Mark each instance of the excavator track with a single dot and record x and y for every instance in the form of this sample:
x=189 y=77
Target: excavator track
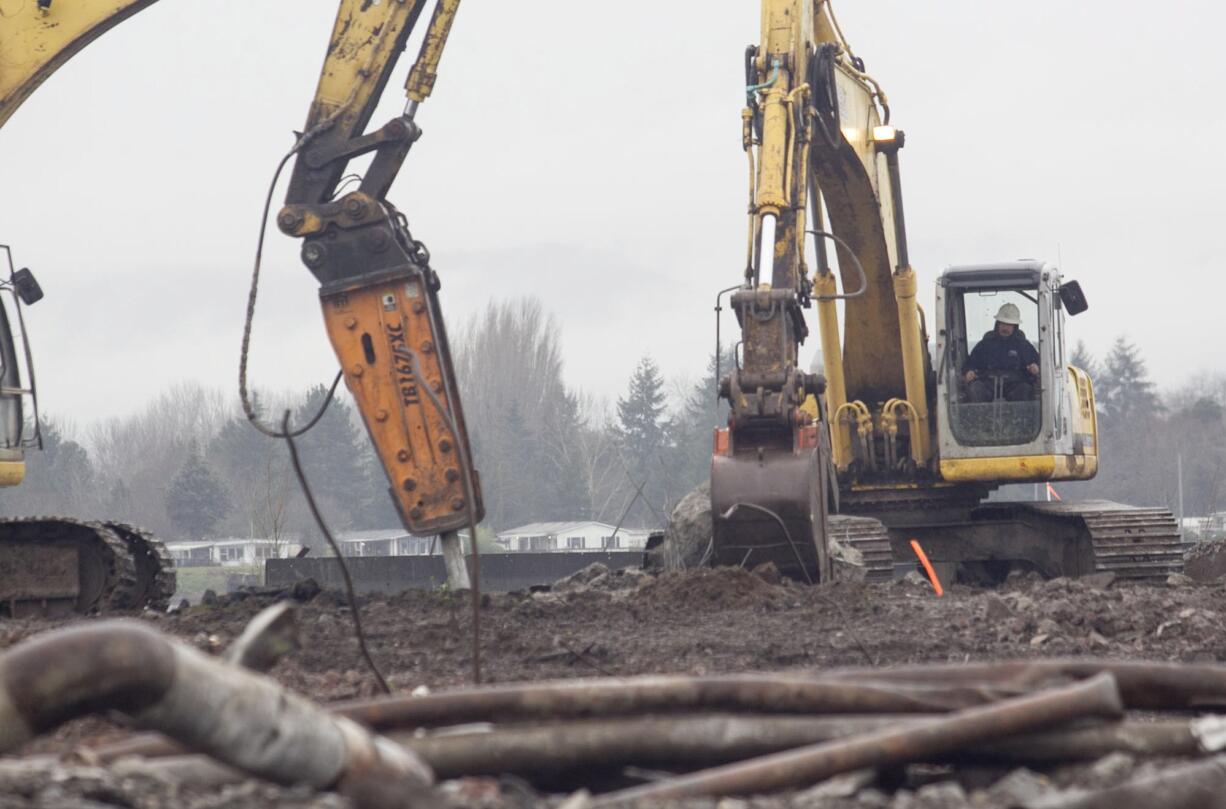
x=1133 y=542
x=57 y=566
x=1053 y=539
x=868 y=536
x=155 y=569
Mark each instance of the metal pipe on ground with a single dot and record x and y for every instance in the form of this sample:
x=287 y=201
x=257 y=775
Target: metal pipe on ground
x=549 y=751
x=1096 y=698
x=762 y=693
x=630 y=696
x=1143 y=685
x=240 y=718
x=686 y=742
x=689 y=741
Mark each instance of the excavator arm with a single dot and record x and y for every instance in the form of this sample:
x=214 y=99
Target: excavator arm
x=816 y=129
x=38 y=36
x=813 y=130
x=378 y=291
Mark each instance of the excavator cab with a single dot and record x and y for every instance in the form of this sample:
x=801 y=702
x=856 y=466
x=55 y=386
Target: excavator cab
x=1009 y=422
x=19 y=288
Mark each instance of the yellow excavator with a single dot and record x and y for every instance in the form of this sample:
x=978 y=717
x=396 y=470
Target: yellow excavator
x=378 y=294
x=894 y=443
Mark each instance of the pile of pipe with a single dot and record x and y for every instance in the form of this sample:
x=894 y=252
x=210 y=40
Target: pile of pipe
x=218 y=720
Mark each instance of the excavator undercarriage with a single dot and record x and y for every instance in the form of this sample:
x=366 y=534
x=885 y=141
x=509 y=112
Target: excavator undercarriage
x=984 y=544
x=53 y=566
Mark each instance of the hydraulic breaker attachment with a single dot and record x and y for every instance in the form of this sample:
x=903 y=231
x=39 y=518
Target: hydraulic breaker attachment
x=381 y=310
x=378 y=292
x=393 y=348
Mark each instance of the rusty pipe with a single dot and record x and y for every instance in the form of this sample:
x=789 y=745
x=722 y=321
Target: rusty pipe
x=763 y=693
x=1097 y=697
x=690 y=741
x=1143 y=685
x=628 y=696
x=544 y=751
x=240 y=718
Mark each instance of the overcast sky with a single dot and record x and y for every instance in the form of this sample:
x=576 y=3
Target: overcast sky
x=589 y=154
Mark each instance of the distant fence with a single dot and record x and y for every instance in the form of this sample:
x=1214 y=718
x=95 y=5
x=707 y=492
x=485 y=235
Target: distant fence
x=500 y=572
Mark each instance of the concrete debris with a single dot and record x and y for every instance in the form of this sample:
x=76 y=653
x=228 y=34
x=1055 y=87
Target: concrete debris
x=1113 y=766
x=943 y=794
x=1019 y=788
x=582 y=577
x=847 y=562
x=841 y=786
x=1206 y=561
x=687 y=540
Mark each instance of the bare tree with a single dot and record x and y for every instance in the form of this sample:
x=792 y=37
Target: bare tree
x=146 y=449
x=520 y=414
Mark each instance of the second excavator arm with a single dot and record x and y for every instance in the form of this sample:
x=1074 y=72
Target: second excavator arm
x=378 y=292
x=814 y=133
x=377 y=289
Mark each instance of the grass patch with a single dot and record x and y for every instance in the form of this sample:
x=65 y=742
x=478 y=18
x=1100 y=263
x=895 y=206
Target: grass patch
x=193 y=581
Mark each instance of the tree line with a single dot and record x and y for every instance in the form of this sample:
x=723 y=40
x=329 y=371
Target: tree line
x=188 y=465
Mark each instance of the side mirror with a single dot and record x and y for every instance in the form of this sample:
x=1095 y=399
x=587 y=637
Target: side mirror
x=1073 y=298
x=27 y=287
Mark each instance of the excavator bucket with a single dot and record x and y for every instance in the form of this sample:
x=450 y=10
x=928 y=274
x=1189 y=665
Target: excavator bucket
x=771 y=506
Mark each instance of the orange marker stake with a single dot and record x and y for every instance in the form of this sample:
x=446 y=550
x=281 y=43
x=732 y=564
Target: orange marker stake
x=932 y=574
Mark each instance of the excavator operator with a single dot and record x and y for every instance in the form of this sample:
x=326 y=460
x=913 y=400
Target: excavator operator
x=1003 y=364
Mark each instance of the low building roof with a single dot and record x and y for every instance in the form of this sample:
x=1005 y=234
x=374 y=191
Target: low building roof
x=551 y=528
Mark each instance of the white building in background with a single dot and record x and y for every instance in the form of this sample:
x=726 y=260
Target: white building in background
x=390 y=542
x=254 y=551
x=540 y=536
x=231 y=551
x=572 y=536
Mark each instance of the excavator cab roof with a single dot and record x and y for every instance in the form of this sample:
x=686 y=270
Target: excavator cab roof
x=1024 y=274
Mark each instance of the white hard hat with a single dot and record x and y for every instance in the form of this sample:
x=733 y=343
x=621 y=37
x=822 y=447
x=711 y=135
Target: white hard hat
x=1009 y=314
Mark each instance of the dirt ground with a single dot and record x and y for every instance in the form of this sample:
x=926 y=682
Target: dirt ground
x=696 y=622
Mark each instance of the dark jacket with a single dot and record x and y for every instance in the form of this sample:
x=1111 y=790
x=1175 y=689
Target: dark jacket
x=996 y=353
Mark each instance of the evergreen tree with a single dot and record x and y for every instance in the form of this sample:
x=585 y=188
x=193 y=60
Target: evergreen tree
x=701 y=413
x=196 y=499
x=642 y=425
x=1125 y=393
x=1083 y=359
x=642 y=433
x=332 y=459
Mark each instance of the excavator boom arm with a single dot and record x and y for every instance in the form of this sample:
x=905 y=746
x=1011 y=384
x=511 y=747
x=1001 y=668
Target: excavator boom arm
x=378 y=292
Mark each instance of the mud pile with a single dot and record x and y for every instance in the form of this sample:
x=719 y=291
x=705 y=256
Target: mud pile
x=1206 y=561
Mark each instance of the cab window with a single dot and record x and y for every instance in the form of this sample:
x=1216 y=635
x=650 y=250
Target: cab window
x=1001 y=406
